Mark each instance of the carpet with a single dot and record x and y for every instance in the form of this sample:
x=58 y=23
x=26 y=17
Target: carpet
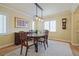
x=55 y=48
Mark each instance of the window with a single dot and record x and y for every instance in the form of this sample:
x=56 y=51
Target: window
x=50 y=25
x=46 y=25
x=2 y=24
x=33 y=23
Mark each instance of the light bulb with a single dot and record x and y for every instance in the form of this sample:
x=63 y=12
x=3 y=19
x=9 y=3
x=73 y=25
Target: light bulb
x=39 y=19
x=36 y=18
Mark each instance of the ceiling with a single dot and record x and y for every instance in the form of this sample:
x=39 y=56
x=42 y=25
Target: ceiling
x=49 y=8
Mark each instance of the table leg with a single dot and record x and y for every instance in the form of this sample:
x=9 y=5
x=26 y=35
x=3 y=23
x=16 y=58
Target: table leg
x=36 y=46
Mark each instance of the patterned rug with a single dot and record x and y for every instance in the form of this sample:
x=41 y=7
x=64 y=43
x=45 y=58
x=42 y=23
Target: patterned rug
x=55 y=48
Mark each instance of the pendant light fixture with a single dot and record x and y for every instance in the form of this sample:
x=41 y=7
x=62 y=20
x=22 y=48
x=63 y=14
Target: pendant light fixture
x=39 y=18
x=36 y=17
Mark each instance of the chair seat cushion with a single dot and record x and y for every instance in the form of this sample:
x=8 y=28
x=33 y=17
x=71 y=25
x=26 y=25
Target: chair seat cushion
x=30 y=42
x=41 y=39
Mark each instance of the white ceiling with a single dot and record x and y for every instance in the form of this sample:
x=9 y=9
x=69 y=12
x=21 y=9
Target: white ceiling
x=58 y=7
x=49 y=8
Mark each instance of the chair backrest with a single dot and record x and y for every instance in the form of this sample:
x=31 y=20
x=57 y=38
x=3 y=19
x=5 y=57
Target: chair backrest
x=23 y=37
x=46 y=34
x=29 y=32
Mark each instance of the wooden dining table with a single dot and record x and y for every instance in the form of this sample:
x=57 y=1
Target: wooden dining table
x=36 y=38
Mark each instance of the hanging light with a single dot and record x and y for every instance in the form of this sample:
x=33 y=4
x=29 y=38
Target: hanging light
x=36 y=17
x=41 y=15
x=40 y=18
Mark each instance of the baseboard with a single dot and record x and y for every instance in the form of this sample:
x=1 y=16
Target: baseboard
x=6 y=45
x=61 y=40
x=75 y=44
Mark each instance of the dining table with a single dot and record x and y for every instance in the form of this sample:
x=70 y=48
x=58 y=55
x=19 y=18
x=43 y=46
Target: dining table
x=36 y=37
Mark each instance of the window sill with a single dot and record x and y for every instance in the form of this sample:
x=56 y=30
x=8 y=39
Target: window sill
x=1 y=34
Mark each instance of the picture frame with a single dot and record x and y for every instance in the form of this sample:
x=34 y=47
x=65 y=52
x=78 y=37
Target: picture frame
x=64 y=20
x=20 y=23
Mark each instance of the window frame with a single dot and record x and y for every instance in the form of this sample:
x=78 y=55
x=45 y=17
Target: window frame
x=50 y=26
x=5 y=25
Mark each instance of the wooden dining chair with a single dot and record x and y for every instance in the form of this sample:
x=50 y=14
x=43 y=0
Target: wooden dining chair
x=25 y=42
x=46 y=36
x=44 y=39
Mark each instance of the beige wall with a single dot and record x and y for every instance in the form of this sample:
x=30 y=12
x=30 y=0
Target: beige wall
x=70 y=34
x=75 y=27
x=60 y=34
x=9 y=37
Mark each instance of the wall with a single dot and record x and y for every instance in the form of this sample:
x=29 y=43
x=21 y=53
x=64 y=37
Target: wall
x=9 y=37
x=60 y=34
x=70 y=34
x=75 y=24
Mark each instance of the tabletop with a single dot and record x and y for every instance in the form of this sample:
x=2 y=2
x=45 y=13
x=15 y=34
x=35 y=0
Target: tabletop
x=36 y=35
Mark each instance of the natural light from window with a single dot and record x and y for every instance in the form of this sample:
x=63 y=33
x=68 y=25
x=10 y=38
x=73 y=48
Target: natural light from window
x=33 y=24
x=50 y=25
x=2 y=24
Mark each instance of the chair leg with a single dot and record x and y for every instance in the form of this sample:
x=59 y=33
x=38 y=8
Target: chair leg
x=44 y=45
x=26 y=51
x=47 y=43
x=21 y=49
x=41 y=43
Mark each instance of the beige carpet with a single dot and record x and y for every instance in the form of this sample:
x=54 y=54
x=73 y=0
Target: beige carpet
x=55 y=49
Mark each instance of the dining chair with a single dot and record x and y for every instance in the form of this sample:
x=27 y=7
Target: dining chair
x=25 y=42
x=44 y=39
x=46 y=36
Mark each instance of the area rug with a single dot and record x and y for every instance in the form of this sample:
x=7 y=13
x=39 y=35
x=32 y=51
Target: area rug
x=55 y=48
